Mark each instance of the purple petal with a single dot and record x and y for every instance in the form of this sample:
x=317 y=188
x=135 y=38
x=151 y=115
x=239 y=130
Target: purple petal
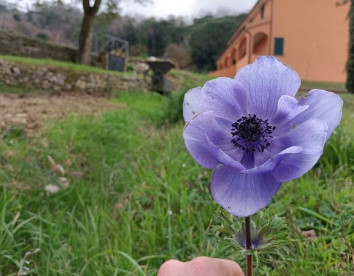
x=324 y=106
x=248 y=159
x=288 y=108
x=225 y=99
x=205 y=140
x=311 y=136
x=273 y=162
x=265 y=81
x=229 y=148
x=192 y=104
x=242 y=194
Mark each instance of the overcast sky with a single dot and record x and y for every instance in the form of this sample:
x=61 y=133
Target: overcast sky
x=190 y=8
x=164 y=8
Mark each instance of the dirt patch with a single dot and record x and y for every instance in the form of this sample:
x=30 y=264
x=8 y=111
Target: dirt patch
x=32 y=111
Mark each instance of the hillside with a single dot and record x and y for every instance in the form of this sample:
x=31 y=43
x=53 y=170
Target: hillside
x=195 y=46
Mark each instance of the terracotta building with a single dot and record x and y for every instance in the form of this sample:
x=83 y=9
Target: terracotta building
x=309 y=35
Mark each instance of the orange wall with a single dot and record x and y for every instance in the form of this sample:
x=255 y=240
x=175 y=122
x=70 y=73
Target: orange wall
x=254 y=24
x=315 y=36
x=225 y=72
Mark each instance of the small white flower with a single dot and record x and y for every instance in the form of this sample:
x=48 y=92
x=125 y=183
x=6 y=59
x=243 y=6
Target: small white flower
x=169 y=212
x=50 y=188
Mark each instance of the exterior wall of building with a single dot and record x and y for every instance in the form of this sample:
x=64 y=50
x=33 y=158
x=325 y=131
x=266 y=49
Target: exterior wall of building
x=314 y=32
x=315 y=36
x=250 y=40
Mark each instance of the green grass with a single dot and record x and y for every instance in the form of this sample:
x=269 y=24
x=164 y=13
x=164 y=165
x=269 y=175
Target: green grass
x=5 y=89
x=189 y=80
x=140 y=199
x=348 y=112
x=60 y=64
x=323 y=85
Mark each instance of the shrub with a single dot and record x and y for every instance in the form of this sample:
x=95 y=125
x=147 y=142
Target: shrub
x=350 y=63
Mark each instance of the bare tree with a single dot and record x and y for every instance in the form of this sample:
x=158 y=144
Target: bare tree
x=86 y=32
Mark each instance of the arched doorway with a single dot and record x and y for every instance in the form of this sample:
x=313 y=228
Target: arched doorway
x=226 y=62
x=242 y=48
x=260 y=44
x=233 y=57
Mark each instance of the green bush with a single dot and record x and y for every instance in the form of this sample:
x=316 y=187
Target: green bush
x=17 y=17
x=43 y=36
x=350 y=63
x=173 y=108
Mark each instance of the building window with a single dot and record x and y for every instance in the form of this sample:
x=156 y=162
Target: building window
x=278 y=46
x=262 y=11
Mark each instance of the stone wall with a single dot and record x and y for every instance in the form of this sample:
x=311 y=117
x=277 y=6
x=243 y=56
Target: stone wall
x=56 y=79
x=16 y=45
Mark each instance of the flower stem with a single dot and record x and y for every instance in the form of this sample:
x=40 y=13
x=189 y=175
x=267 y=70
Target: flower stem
x=248 y=247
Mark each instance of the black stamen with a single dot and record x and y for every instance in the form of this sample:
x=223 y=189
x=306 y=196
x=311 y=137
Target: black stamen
x=252 y=133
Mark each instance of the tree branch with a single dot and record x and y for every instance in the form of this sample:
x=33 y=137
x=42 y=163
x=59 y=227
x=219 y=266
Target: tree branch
x=143 y=2
x=86 y=5
x=96 y=6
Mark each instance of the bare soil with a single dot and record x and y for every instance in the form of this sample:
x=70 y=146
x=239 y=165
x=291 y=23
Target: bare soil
x=32 y=111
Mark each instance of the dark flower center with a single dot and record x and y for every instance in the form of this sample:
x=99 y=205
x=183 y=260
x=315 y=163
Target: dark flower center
x=251 y=133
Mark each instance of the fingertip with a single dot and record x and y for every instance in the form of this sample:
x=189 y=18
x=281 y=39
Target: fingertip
x=169 y=267
x=199 y=265
x=234 y=268
x=213 y=266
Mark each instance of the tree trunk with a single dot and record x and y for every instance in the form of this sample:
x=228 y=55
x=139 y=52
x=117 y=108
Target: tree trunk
x=85 y=40
x=86 y=32
x=350 y=63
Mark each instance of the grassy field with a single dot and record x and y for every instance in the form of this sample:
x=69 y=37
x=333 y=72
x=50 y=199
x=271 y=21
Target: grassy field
x=136 y=198
x=60 y=64
x=323 y=85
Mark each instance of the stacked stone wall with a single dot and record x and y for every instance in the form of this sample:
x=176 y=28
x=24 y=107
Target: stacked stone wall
x=56 y=79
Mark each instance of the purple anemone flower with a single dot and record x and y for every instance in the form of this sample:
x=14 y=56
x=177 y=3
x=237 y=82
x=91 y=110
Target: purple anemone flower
x=255 y=134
